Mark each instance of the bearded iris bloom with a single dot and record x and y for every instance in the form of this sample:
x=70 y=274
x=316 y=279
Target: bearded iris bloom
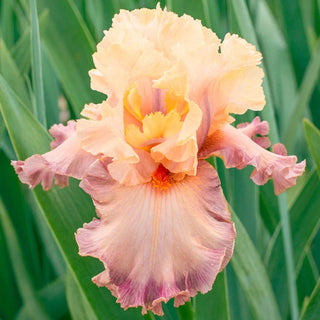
x=164 y=229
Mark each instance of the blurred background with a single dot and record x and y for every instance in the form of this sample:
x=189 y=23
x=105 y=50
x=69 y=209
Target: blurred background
x=45 y=55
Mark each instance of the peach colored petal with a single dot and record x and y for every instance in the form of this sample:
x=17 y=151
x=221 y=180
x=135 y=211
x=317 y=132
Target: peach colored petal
x=131 y=174
x=239 y=90
x=165 y=29
x=237 y=87
x=238 y=150
x=66 y=159
x=174 y=80
x=237 y=53
x=106 y=136
x=182 y=147
x=92 y=111
x=122 y=59
x=156 y=245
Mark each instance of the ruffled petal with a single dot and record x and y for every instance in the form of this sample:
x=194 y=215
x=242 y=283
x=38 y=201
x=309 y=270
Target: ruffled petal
x=106 y=136
x=179 y=152
x=239 y=90
x=123 y=57
x=155 y=244
x=35 y=170
x=256 y=127
x=237 y=53
x=237 y=150
x=66 y=159
x=131 y=174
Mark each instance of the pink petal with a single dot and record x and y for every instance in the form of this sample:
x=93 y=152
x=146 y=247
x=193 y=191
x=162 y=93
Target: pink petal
x=35 y=170
x=237 y=150
x=131 y=174
x=106 y=135
x=256 y=127
x=156 y=244
x=67 y=159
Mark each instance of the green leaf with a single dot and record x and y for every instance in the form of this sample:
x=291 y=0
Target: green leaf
x=65 y=210
x=305 y=218
x=50 y=246
x=242 y=15
x=307 y=86
x=307 y=278
x=246 y=29
x=312 y=309
x=252 y=275
x=17 y=207
x=36 y=65
x=313 y=139
x=186 y=311
x=214 y=304
x=69 y=46
x=53 y=297
x=10 y=71
x=78 y=305
x=277 y=61
x=240 y=308
x=305 y=221
x=9 y=295
x=296 y=35
x=6 y=19
x=123 y=4
x=35 y=308
x=194 y=8
x=21 y=51
x=99 y=14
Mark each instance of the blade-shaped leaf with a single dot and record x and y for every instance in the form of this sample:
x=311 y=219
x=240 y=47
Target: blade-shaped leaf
x=11 y=73
x=252 y=275
x=312 y=309
x=214 y=304
x=65 y=210
x=35 y=308
x=304 y=95
x=78 y=305
x=36 y=64
x=313 y=138
x=305 y=221
x=53 y=297
x=246 y=29
x=277 y=61
x=9 y=295
x=241 y=12
x=69 y=46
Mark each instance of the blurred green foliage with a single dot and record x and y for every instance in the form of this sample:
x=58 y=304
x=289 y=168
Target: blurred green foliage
x=45 y=56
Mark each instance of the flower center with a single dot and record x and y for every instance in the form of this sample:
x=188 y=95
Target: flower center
x=161 y=178
x=144 y=130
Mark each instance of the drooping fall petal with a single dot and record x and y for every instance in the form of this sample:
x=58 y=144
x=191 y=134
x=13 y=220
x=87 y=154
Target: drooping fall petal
x=66 y=159
x=238 y=150
x=173 y=241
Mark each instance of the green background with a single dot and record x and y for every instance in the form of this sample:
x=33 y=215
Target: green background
x=45 y=55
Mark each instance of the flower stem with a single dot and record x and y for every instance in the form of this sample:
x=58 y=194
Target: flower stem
x=186 y=312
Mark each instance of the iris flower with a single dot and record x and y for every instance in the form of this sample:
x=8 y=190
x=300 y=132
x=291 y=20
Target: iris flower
x=164 y=228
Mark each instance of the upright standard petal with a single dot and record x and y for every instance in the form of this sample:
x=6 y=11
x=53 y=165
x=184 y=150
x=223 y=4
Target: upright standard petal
x=238 y=150
x=156 y=243
x=66 y=159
